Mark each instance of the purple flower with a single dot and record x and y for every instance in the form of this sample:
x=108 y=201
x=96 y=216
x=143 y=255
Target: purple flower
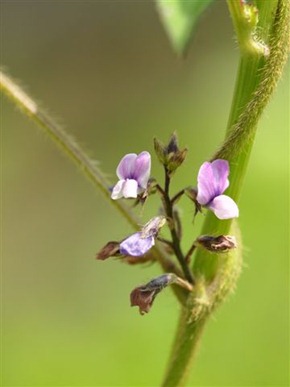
x=212 y=181
x=136 y=244
x=133 y=172
x=139 y=243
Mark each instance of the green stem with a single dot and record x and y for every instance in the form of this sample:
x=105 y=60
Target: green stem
x=89 y=167
x=201 y=303
x=261 y=78
x=187 y=337
x=256 y=81
x=168 y=207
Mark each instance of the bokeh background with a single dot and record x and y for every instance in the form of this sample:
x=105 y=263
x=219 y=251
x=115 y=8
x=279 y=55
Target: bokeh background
x=106 y=71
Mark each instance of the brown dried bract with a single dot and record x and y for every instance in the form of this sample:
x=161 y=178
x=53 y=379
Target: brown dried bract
x=111 y=249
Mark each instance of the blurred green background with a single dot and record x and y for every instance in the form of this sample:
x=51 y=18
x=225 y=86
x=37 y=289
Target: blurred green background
x=107 y=72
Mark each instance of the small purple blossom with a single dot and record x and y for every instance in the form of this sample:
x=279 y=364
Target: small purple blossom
x=136 y=244
x=212 y=181
x=139 y=243
x=133 y=172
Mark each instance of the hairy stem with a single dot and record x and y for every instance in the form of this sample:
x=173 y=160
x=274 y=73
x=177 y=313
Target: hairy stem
x=200 y=305
x=187 y=337
x=257 y=78
x=261 y=77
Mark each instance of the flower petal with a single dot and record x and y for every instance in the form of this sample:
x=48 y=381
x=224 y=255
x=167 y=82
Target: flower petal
x=212 y=180
x=220 y=170
x=117 y=192
x=125 y=169
x=205 y=186
x=135 y=245
x=130 y=188
x=224 y=207
x=142 y=168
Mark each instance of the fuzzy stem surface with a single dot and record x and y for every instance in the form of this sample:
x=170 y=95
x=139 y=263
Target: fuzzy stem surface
x=256 y=80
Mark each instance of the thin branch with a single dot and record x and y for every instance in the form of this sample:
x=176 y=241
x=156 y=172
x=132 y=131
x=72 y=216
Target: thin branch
x=168 y=208
x=160 y=190
x=190 y=252
x=163 y=240
x=177 y=196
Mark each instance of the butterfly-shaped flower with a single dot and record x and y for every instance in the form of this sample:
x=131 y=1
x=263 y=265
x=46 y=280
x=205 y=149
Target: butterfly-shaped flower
x=136 y=244
x=133 y=172
x=212 y=181
x=139 y=243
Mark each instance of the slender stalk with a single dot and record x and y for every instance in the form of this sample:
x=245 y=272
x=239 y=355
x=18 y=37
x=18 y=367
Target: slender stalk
x=178 y=224
x=165 y=241
x=201 y=303
x=168 y=207
x=184 y=284
x=177 y=196
x=188 y=336
x=190 y=252
x=256 y=81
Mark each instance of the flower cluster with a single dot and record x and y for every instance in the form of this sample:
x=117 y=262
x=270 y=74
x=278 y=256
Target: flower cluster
x=135 y=182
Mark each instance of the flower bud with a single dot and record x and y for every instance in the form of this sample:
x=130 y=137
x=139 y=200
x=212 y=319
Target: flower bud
x=143 y=296
x=153 y=226
x=170 y=156
x=176 y=159
x=172 y=146
x=160 y=151
x=219 y=244
x=111 y=249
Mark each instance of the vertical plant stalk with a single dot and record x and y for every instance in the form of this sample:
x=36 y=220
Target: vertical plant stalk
x=201 y=303
x=168 y=207
x=188 y=336
x=256 y=80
